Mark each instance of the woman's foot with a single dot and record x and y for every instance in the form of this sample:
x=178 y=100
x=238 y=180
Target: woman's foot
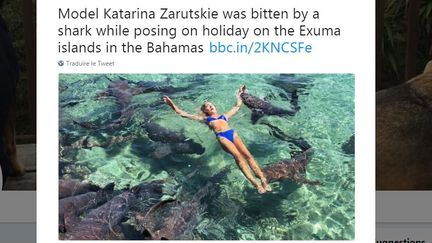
x=265 y=185
x=261 y=189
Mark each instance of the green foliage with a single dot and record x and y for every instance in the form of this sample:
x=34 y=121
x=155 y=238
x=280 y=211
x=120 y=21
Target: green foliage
x=394 y=38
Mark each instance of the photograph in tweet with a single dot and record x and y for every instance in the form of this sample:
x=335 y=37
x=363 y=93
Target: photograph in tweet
x=206 y=156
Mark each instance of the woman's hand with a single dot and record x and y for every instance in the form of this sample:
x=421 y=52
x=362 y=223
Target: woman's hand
x=238 y=95
x=239 y=102
x=167 y=100
x=179 y=111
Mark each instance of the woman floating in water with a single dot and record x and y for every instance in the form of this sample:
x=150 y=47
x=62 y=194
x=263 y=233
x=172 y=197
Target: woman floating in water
x=228 y=138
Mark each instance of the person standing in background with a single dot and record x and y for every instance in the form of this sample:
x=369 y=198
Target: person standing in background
x=9 y=72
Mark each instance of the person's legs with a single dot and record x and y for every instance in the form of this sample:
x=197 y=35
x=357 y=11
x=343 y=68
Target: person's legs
x=241 y=162
x=17 y=168
x=251 y=161
x=4 y=160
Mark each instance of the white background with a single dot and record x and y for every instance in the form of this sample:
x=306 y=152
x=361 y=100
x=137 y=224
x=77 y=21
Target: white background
x=353 y=52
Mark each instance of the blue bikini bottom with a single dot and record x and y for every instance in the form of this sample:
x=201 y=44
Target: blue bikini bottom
x=228 y=134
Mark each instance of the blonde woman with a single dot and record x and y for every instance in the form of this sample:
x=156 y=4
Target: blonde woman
x=228 y=138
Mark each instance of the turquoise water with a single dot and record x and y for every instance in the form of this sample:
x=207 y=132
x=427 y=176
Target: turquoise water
x=291 y=211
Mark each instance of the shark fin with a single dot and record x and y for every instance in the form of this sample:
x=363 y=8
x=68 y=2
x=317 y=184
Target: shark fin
x=256 y=115
x=301 y=143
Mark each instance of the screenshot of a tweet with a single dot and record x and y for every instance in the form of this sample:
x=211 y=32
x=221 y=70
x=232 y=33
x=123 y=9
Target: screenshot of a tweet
x=403 y=121
x=192 y=120
x=17 y=122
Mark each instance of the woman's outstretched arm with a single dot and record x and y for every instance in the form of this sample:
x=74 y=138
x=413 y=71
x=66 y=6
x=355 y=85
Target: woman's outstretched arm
x=179 y=111
x=239 y=102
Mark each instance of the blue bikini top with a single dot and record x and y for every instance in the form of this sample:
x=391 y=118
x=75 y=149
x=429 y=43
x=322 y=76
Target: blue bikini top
x=221 y=117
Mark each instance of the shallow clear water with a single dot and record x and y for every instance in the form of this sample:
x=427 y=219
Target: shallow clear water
x=291 y=211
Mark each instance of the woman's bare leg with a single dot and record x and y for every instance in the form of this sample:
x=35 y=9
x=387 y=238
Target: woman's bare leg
x=241 y=162
x=251 y=161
